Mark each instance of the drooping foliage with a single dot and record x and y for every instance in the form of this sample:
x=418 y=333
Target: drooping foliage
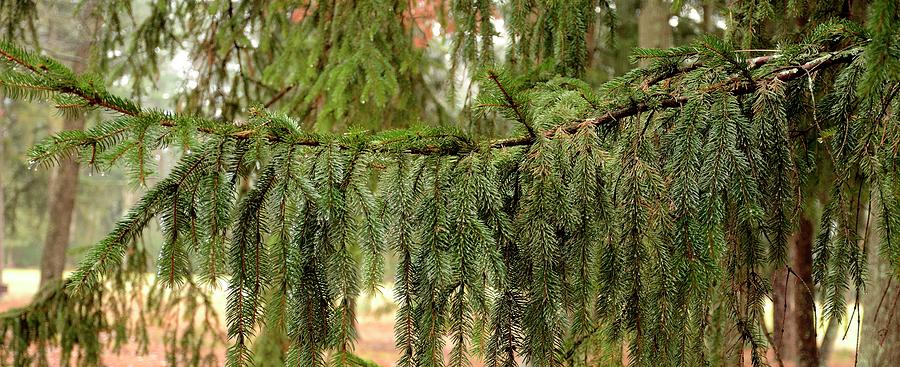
x=648 y=210
x=335 y=64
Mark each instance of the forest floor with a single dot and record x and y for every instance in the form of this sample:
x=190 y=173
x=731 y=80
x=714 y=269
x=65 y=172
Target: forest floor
x=375 y=340
x=375 y=329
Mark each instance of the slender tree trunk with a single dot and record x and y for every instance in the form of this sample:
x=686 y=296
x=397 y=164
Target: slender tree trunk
x=63 y=191
x=709 y=26
x=627 y=11
x=804 y=295
x=782 y=307
x=831 y=334
x=64 y=184
x=63 y=188
x=3 y=126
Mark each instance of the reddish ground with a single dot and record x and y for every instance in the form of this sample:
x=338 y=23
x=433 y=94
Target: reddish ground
x=375 y=338
x=376 y=342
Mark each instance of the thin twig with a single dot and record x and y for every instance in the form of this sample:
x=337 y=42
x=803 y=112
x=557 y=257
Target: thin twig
x=881 y=300
x=278 y=96
x=512 y=104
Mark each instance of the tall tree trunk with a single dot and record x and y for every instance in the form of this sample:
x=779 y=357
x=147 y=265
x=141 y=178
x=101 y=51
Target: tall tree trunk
x=3 y=126
x=63 y=191
x=626 y=27
x=880 y=339
x=804 y=295
x=827 y=346
x=880 y=334
x=654 y=30
x=64 y=183
x=709 y=26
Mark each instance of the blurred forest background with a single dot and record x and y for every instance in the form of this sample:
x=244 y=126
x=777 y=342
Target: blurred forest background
x=48 y=217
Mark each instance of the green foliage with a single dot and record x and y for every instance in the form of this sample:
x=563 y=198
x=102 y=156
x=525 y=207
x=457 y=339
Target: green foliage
x=646 y=212
x=17 y=18
x=552 y=32
x=335 y=65
x=282 y=53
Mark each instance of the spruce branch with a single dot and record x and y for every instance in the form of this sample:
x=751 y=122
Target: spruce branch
x=430 y=143
x=512 y=104
x=752 y=64
x=92 y=97
x=501 y=244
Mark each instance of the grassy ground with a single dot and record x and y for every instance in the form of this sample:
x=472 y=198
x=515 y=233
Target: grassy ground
x=376 y=325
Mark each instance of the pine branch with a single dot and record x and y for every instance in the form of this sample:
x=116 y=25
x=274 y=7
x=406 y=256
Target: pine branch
x=447 y=144
x=752 y=64
x=512 y=104
x=518 y=229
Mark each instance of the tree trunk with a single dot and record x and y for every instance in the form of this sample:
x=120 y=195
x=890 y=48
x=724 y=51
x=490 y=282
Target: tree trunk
x=63 y=191
x=804 y=295
x=827 y=346
x=709 y=26
x=3 y=127
x=654 y=30
x=880 y=339
x=64 y=183
x=626 y=28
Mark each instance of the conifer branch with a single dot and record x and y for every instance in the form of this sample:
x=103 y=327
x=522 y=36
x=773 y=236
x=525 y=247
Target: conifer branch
x=93 y=99
x=496 y=248
x=9 y=56
x=735 y=86
x=511 y=103
x=754 y=63
x=449 y=144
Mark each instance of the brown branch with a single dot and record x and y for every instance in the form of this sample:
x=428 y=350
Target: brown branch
x=19 y=62
x=512 y=104
x=737 y=85
x=94 y=100
x=752 y=64
x=278 y=96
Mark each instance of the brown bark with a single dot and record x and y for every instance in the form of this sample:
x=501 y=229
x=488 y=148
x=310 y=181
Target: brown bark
x=63 y=191
x=3 y=127
x=804 y=295
x=654 y=30
x=64 y=182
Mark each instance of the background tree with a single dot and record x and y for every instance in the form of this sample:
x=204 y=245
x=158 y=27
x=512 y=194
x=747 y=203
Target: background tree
x=64 y=182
